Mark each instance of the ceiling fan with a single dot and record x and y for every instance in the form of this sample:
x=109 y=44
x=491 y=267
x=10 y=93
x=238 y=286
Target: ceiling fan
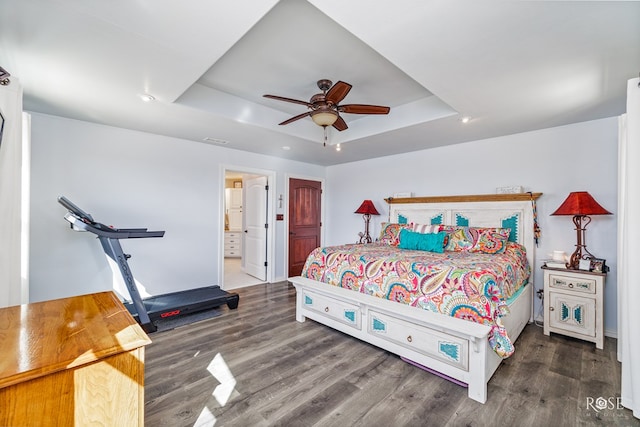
x=324 y=107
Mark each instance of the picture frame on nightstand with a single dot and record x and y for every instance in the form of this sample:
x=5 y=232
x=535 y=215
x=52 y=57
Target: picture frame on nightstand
x=598 y=265
x=585 y=264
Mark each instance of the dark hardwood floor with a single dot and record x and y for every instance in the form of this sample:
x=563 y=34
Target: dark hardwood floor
x=257 y=366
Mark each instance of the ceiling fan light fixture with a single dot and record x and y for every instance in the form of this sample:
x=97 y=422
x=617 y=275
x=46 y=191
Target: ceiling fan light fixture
x=147 y=97
x=324 y=118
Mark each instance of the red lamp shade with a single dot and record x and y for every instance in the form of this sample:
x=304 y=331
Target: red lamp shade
x=367 y=208
x=580 y=203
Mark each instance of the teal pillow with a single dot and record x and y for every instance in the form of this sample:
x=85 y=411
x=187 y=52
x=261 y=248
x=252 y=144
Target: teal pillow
x=431 y=242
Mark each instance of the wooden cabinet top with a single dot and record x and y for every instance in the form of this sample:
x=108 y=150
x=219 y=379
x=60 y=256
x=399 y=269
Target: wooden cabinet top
x=41 y=338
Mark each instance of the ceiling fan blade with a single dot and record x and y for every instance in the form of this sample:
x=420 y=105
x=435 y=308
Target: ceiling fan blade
x=281 y=98
x=294 y=118
x=340 y=124
x=363 y=109
x=338 y=92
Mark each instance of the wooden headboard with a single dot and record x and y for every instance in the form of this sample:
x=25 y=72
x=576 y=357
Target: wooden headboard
x=513 y=211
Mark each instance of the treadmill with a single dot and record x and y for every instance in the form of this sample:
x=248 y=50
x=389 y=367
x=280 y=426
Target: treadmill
x=154 y=308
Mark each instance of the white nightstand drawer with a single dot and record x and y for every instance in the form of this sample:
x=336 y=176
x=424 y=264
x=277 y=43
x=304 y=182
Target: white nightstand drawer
x=578 y=284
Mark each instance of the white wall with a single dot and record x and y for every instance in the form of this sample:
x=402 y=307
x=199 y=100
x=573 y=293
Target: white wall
x=553 y=161
x=131 y=179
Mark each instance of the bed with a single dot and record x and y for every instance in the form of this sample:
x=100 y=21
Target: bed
x=394 y=297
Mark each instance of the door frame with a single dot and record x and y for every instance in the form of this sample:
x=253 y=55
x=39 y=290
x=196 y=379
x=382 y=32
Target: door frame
x=271 y=216
x=287 y=178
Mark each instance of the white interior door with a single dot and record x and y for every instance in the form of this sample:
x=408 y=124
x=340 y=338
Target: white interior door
x=255 y=231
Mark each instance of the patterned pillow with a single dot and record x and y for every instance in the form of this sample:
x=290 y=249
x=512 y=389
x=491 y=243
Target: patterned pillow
x=485 y=240
x=390 y=233
x=489 y=240
x=459 y=239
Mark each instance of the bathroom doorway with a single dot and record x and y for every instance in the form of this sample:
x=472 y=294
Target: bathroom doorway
x=246 y=253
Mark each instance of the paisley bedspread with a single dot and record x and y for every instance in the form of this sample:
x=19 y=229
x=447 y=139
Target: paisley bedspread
x=470 y=286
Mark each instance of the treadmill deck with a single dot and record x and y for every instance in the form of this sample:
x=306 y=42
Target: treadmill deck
x=185 y=302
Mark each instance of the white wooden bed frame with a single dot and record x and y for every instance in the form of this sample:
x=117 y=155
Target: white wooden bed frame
x=456 y=348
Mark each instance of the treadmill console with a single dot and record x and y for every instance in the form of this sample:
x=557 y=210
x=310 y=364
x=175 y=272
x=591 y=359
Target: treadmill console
x=74 y=209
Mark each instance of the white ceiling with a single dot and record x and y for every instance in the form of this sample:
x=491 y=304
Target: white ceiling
x=512 y=66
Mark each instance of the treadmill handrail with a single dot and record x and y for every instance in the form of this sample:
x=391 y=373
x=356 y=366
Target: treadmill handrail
x=71 y=207
x=99 y=229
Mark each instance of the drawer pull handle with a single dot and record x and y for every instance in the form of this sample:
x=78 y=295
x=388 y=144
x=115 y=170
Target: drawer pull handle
x=551 y=308
x=409 y=338
x=326 y=309
x=571 y=285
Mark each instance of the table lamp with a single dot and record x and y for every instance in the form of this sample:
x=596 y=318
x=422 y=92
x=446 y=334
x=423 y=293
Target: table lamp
x=366 y=209
x=580 y=204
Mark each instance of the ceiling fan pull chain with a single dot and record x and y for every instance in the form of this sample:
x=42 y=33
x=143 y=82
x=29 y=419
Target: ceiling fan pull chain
x=325 y=136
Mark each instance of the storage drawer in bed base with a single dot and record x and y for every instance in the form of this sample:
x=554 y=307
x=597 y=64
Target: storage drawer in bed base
x=345 y=313
x=446 y=348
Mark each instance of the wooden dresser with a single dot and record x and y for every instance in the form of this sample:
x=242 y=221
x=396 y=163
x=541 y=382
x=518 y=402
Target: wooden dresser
x=71 y=362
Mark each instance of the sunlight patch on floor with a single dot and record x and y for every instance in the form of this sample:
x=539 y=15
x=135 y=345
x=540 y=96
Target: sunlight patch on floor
x=205 y=419
x=220 y=371
x=222 y=393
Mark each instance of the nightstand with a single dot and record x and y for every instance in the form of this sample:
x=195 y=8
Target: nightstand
x=573 y=304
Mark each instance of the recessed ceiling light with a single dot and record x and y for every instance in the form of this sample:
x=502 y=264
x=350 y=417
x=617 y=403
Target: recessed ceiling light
x=147 y=98
x=215 y=140
x=465 y=119
x=338 y=147
x=286 y=148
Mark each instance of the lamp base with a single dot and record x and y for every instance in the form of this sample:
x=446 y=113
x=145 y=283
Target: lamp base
x=574 y=261
x=578 y=255
x=365 y=238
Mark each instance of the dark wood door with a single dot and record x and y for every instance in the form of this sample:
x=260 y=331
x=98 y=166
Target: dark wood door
x=304 y=221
